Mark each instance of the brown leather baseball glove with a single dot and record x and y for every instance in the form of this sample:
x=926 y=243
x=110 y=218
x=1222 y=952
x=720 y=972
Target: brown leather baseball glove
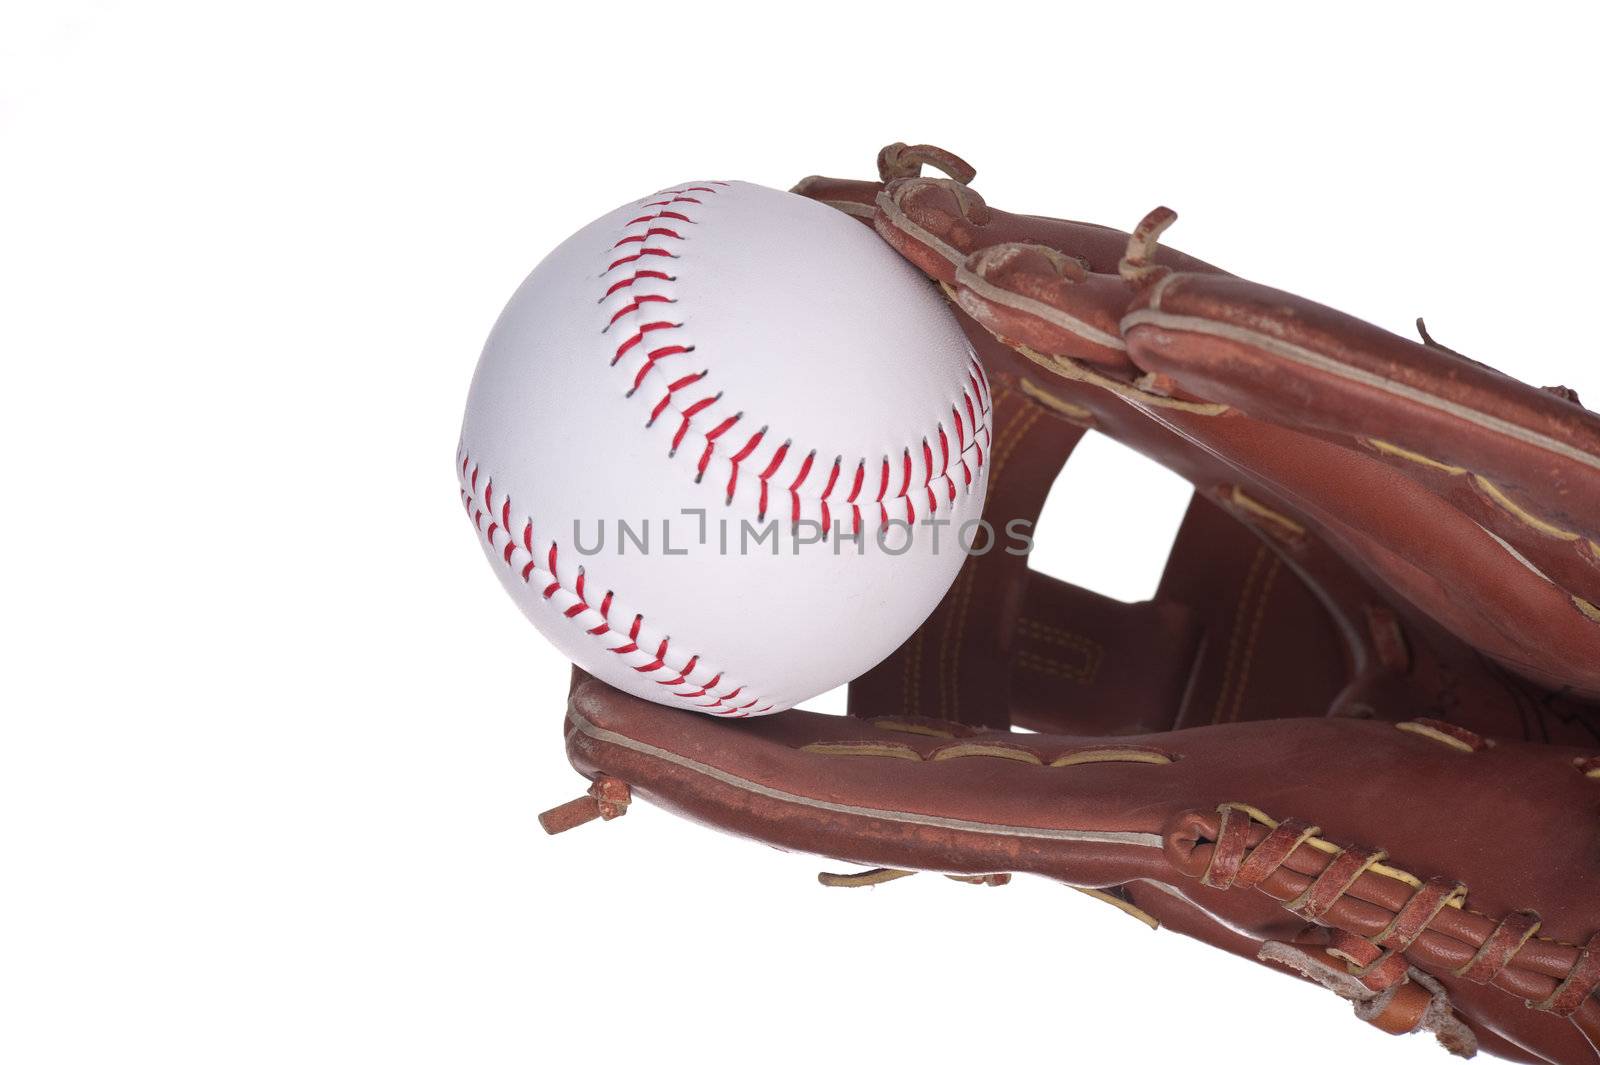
x=1355 y=733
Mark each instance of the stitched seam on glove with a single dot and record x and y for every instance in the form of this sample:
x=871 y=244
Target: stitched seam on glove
x=955 y=824
x=1306 y=357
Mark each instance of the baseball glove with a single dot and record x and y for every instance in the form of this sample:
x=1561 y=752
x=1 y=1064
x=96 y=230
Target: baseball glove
x=1355 y=735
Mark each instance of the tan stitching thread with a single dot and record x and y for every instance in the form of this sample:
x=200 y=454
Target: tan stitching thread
x=1071 y=411
x=1023 y=428
x=874 y=877
x=979 y=749
x=1258 y=509
x=1494 y=492
x=1041 y=630
x=1158 y=291
x=1521 y=513
x=1245 y=594
x=1412 y=456
x=902 y=221
x=1091 y=650
x=1147 y=840
x=865 y=747
x=1153 y=841
x=1428 y=732
x=1255 y=635
x=1075 y=371
x=913 y=667
x=1111 y=754
x=866 y=878
x=986 y=750
x=1318 y=843
x=948 y=667
x=1052 y=667
x=1269 y=344
x=998 y=461
x=987 y=291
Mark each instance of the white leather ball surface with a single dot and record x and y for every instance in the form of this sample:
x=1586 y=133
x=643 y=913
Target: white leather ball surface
x=767 y=365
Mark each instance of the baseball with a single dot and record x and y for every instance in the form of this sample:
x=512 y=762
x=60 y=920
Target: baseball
x=726 y=449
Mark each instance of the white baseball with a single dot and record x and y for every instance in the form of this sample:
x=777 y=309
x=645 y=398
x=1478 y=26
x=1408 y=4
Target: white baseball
x=716 y=358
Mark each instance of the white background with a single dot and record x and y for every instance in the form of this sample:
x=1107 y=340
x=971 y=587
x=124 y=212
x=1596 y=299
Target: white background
x=274 y=740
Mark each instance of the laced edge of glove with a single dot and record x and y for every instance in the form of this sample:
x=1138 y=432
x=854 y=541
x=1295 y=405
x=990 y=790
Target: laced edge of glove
x=1245 y=845
x=1371 y=912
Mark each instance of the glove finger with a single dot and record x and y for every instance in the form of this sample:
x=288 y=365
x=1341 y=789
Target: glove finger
x=1513 y=578
x=1298 y=487
x=853 y=197
x=1300 y=490
x=937 y=223
x=1066 y=274
x=1037 y=297
x=1522 y=462
x=1225 y=817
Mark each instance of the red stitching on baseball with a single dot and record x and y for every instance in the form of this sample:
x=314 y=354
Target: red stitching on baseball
x=676 y=216
x=833 y=478
x=633 y=308
x=711 y=443
x=743 y=453
x=653 y=231
x=766 y=474
x=975 y=397
x=500 y=523
x=640 y=254
x=555 y=581
x=688 y=415
x=927 y=480
x=633 y=637
x=605 y=614
x=794 y=488
x=638 y=275
x=681 y=678
x=654 y=357
x=658 y=662
x=638 y=338
x=682 y=382
x=581 y=605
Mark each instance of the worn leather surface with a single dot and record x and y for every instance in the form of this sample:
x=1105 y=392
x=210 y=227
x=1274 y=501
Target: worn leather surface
x=1377 y=622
